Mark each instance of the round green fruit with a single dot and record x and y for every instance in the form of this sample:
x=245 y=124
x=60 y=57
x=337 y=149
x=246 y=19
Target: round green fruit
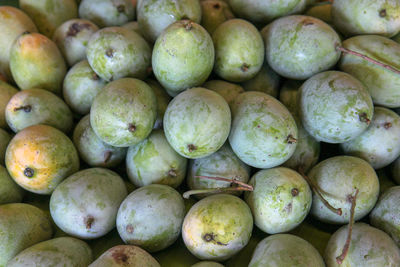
x=227 y=90
x=6 y=92
x=10 y=192
x=214 y=13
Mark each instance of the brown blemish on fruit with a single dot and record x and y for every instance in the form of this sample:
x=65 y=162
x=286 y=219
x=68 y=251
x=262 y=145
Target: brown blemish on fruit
x=382 y=13
x=188 y=25
x=26 y=108
x=191 y=148
x=290 y=139
x=172 y=173
x=129 y=228
x=119 y=256
x=294 y=192
x=131 y=127
x=88 y=221
x=387 y=125
x=245 y=67
x=75 y=28
x=110 y=52
x=28 y=172
x=364 y=118
x=209 y=237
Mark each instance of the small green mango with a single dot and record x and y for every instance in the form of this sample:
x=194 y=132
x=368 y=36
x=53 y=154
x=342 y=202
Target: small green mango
x=214 y=13
x=227 y=90
x=163 y=100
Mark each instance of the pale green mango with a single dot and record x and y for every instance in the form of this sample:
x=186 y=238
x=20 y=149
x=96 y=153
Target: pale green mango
x=6 y=92
x=214 y=13
x=266 y=81
x=133 y=26
x=163 y=100
x=227 y=90
x=321 y=11
x=10 y=192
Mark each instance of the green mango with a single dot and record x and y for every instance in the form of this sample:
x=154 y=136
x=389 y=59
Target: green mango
x=36 y=62
x=5 y=138
x=38 y=106
x=10 y=192
x=285 y=250
x=369 y=246
x=298 y=47
x=67 y=251
x=72 y=38
x=197 y=122
x=107 y=13
x=381 y=83
x=151 y=217
x=163 y=100
x=124 y=112
x=49 y=14
x=21 y=226
x=85 y=204
x=214 y=13
x=155 y=16
x=133 y=26
x=6 y=92
x=183 y=56
x=321 y=11
x=154 y=161
x=239 y=50
x=13 y=22
x=229 y=91
x=116 y=52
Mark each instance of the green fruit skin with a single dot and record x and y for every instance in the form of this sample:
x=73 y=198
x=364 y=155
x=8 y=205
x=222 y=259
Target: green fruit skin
x=121 y=105
x=334 y=107
x=104 y=243
x=183 y=56
x=229 y=91
x=260 y=130
x=163 y=100
x=72 y=38
x=321 y=11
x=63 y=250
x=116 y=52
x=80 y=87
x=380 y=82
x=10 y=192
x=155 y=16
x=6 y=92
x=266 y=80
x=154 y=161
x=21 y=226
x=239 y=50
x=5 y=138
x=298 y=47
x=261 y=11
x=275 y=205
x=92 y=150
x=395 y=170
x=133 y=26
x=385 y=181
x=92 y=195
x=176 y=255
x=337 y=178
x=36 y=62
x=151 y=217
x=223 y=163
x=105 y=13
x=285 y=250
x=288 y=95
x=380 y=143
x=214 y=13
x=197 y=122
x=207 y=264
x=360 y=17
x=44 y=108
x=396 y=38
x=386 y=213
x=133 y=257
x=49 y=14
x=368 y=247
x=13 y=22
x=217 y=227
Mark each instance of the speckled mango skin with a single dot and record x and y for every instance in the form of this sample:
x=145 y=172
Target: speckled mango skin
x=151 y=217
x=45 y=108
x=223 y=163
x=163 y=100
x=207 y=264
x=155 y=16
x=214 y=13
x=261 y=11
x=260 y=129
x=183 y=56
x=10 y=192
x=92 y=150
x=36 y=62
x=6 y=92
x=116 y=52
x=80 y=87
x=360 y=17
x=379 y=144
x=197 y=117
x=229 y=91
x=285 y=250
x=154 y=161
x=266 y=80
x=5 y=138
x=274 y=207
x=386 y=213
x=93 y=194
x=21 y=226
x=239 y=50
x=49 y=14
x=298 y=47
x=217 y=227
x=105 y=13
x=120 y=105
x=334 y=107
x=58 y=252
x=72 y=38
x=381 y=83
x=135 y=257
x=369 y=247
x=13 y=22
x=337 y=179
x=48 y=152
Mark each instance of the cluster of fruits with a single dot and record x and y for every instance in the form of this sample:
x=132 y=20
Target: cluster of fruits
x=161 y=141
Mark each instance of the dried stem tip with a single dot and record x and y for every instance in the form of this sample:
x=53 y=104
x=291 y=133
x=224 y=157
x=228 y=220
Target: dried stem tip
x=290 y=139
x=364 y=118
x=231 y=180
